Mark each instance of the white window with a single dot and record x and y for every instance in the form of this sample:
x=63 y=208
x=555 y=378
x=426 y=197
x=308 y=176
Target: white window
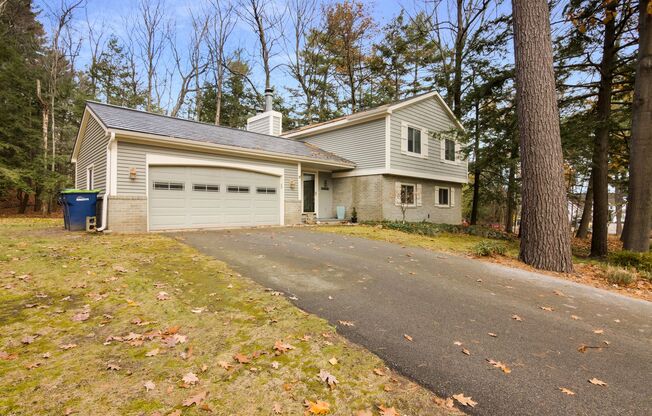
x=90 y=183
x=205 y=188
x=414 y=141
x=449 y=150
x=234 y=189
x=408 y=194
x=264 y=190
x=444 y=196
x=169 y=186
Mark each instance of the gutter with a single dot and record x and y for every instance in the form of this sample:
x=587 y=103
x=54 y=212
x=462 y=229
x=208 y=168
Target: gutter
x=107 y=191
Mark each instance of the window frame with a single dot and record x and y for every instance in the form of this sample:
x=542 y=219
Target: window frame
x=407 y=149
x=90 y=176
x=454 y=144
x=202 y=187
x=414 y=194
x=238 y=189
x=178 y=186
x=448 y=196
x=266 y=190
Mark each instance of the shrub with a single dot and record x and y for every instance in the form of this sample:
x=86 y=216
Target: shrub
x=640 y=261
x=431 y=229
x=489 y=248
x=619 y=276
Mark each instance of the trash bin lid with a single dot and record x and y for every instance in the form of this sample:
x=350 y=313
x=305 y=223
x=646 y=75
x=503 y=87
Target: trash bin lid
x=81 y=191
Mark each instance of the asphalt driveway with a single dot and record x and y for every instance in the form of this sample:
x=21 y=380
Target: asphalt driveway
x=449 y=303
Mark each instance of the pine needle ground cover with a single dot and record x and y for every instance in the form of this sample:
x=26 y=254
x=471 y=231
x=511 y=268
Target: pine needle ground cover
x=144 y=325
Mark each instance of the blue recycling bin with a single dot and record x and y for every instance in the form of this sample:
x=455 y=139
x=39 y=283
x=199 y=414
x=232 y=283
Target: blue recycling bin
x=77 y=205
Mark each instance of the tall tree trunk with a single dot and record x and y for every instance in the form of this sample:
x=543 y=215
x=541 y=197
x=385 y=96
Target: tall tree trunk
x=583 y=229
x=24 y=201
x=545 y=236
x=476 y=166
x=600 y=172
x=639 y=203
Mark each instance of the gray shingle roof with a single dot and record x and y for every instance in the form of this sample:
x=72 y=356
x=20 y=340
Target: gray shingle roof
x=122 y=118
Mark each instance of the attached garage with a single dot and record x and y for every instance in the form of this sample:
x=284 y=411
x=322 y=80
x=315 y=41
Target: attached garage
x=182 y=197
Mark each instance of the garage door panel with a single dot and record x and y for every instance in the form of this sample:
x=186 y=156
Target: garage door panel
x=201 y=205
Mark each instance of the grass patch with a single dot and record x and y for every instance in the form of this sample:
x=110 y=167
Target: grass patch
x=50 y=280
x=619 y=276
x=489 y=248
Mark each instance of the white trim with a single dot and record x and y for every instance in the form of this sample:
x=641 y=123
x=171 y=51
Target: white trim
x=113 y=169
x=383 y=110
x=388 y=140
x=316 y=196
x=399 y=172
x=414 y=194
x=456 y=161
x=82 y=130
x=166 y=160
x=300 y=185
x=437 y=204
x=263 y=115
x=91 y=168
x=175 y=142
x=421 y=154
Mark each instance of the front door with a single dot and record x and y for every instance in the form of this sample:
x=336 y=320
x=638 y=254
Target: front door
x=308 y=192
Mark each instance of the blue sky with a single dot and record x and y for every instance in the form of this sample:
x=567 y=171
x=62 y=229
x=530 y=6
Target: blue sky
x=115 y=17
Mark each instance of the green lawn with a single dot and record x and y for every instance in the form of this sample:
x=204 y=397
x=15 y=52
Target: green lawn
x=140 y=324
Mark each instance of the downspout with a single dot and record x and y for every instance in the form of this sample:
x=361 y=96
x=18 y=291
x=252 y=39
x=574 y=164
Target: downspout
x=105 y=203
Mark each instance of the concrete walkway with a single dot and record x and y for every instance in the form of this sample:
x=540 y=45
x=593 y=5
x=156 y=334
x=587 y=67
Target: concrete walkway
x=389 y=291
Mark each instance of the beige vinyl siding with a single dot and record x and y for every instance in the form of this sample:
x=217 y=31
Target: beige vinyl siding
x=259 y=126
x=133 y=155
x=276 y=125
x=363 y=144
x=428 y=115
x=92 y=150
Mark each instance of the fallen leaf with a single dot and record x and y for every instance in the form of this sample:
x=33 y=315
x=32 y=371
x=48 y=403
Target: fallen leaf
x=162 y=296
x=567 y=391
x=387 y=411
x=328 y=378
x=241 y=358
x=457 y=343
x=465 y=351
x=149 y=385
x=546 y=308
x=575 y=317
x=333 y=361
x=224 y=365
x=282 y=347
x=447 y=402
x=318 y=408
x=346 y=323
x=275 y=365
x=379 y=372
x=190 y=378
x=34 y=365
x=6 y=356
x=409 y=338
x=597 y=382
x=500 y=365
x=112 y=367
x=277 y=409
x=491 y=334
x=559 y=293
x=81 y=316
x=363 y=412
x=196 y=399
x=463 y=400
x=119 y=269
x=598 y=331
x=152 y=353
x=197 y=310
x=517 y=318
x=28 y=339
x=67 y=346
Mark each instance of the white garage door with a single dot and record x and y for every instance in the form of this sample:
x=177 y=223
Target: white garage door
x=199 y=197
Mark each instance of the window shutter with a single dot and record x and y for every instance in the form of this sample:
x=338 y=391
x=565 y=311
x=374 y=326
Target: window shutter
x=442 y=142
x=418 y=196
x=404 y=137
x=436 y=195
x=425 y=138
x=451 y=196
x=458 y=156
x=397 y=193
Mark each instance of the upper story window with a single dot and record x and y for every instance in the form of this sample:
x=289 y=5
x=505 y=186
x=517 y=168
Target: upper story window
x=449 y=150
x=414 y=140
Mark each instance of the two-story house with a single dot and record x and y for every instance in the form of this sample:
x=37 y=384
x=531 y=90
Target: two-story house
x=161 y=173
